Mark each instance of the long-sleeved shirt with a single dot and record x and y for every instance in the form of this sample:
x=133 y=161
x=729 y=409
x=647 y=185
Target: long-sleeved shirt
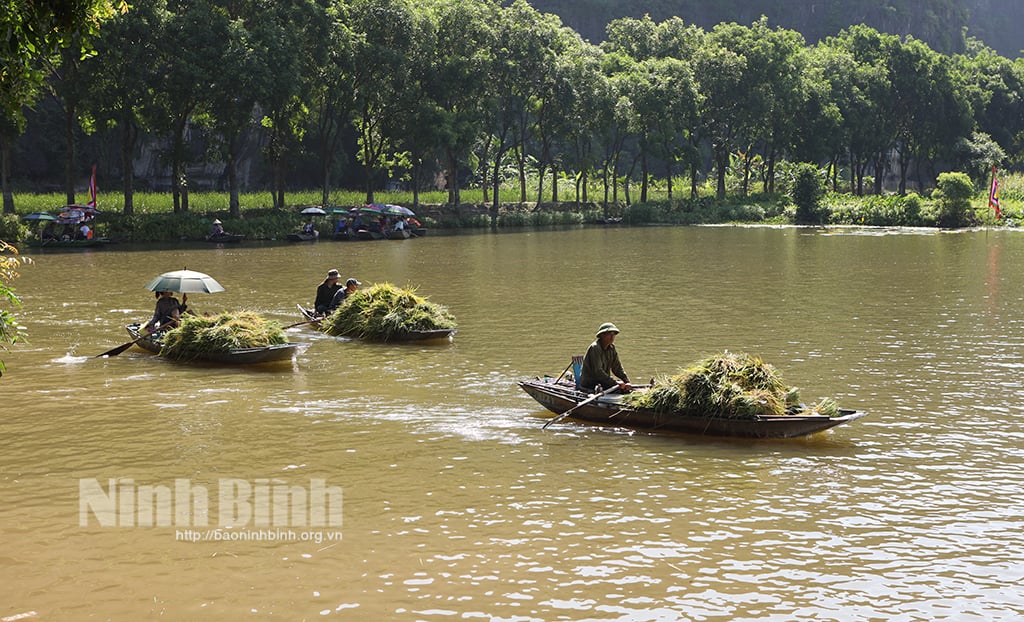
x=598 y=366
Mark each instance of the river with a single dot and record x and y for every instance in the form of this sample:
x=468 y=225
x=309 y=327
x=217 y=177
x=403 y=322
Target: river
x=444 y=497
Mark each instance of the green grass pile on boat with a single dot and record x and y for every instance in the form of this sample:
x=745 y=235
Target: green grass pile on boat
x=732 y=386
x=221 y=333
x=383 y=311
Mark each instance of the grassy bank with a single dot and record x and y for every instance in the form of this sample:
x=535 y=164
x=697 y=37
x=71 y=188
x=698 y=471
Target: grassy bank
x=154 y=219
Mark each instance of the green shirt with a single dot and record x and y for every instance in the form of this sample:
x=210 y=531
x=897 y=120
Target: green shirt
x=598 y=366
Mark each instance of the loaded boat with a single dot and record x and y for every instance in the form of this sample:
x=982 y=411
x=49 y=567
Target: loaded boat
x=235 y=356
x=559 y=396
x=313 y=319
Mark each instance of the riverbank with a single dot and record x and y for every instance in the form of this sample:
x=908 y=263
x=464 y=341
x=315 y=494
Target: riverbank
x=275 y=224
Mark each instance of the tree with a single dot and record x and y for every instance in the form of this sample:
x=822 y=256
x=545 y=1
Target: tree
x=331 y=95
x=34 y=34
x=458 y=77
x=719 y=73
x=384 y=32
x=233 y=95
x=285 y=32
x=121 y=79
x=191 y=43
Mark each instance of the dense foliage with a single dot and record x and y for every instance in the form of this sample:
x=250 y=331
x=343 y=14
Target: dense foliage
x=10 y=330
x=732 y=386
x=505 y=98
x=384 y=312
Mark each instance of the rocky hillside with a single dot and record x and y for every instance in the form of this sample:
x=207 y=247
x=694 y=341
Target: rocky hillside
x=938 y=22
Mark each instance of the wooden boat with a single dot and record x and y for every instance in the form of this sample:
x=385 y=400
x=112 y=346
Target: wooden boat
x=311 y=316
x=560 y=396
x=366 y=234
x=408 y=335
x=69 y=244
x=304 y=237
x=225 y=238
x=236 y=356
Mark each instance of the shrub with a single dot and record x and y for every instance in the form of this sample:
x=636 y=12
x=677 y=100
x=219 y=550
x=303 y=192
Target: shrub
x=12 y=230
x=953 y=193
x=807 y=194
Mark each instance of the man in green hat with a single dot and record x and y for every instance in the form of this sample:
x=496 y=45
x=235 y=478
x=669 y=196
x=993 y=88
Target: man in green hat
x=602 y=361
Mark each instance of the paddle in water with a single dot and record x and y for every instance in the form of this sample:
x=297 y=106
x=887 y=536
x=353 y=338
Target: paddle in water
x=583 y=403
x=124 y=346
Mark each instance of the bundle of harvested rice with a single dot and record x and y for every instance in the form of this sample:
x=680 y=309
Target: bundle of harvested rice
x=383 y=312
x=221 y=333
x=730 y=386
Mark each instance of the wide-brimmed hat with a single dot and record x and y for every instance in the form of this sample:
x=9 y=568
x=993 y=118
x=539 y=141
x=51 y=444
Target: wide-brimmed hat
x=352 y=282
x=333 y=274
x=607 y=327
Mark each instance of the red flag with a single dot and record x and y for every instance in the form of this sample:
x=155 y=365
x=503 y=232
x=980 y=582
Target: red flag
x=993 y=194
x=92 y=188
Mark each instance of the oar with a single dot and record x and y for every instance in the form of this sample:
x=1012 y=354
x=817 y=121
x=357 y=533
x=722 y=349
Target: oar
x=583 y=403
x=300 y=323
x=121 y=348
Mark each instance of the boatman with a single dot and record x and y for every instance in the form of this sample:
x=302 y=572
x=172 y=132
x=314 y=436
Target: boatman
x=342 y=295
x=601 y=362
x=325 y=292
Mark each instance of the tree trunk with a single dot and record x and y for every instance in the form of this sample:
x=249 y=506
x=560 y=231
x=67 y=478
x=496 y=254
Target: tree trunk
x=554 y=184
x=69 y=153
x=643 y=176
x=5 y=173
x=693 y=180
x=232 y=172
x=668 y=173
x=127 y=167
x=721 y=162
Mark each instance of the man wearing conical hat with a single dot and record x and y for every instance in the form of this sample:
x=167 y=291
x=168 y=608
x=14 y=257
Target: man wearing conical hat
x=601 y=362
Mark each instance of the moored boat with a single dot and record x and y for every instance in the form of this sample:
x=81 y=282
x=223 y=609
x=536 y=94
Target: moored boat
x=225 y=238
x=302 y=236
x=560 y=396
x=69 y=244
x=235 y=356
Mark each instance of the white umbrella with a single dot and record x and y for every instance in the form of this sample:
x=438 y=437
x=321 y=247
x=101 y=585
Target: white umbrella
x=185 y=282
x=313 y=210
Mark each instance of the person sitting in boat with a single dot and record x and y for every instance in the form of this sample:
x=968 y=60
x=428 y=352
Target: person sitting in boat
x=341 y=227
x=67 y=233
x=325 y=292
x=217 y=228
x=400 y=224
x=84 y=232
x=342 y=295
x=601 y=362
x=308 y=228
x=168 y=311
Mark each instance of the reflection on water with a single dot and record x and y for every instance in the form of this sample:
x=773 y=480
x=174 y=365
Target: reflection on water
x=458 y=506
